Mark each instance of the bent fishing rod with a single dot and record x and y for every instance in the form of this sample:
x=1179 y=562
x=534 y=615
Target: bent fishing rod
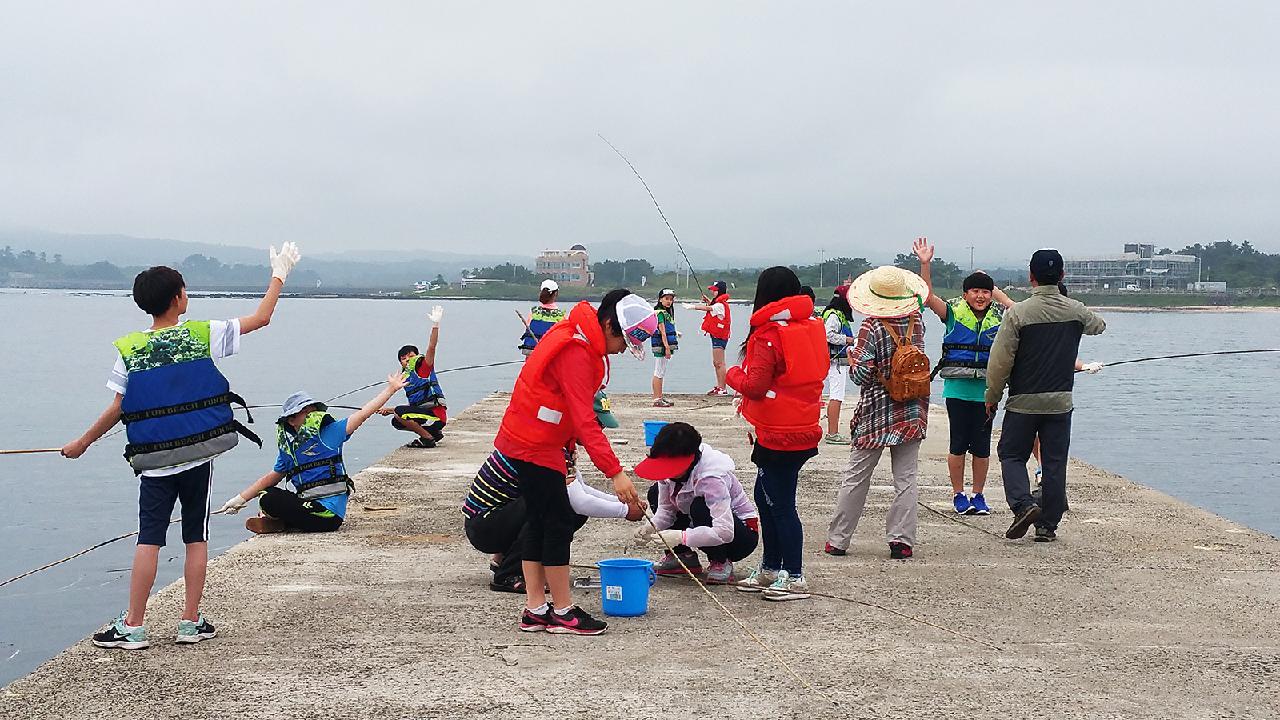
x=665 y=221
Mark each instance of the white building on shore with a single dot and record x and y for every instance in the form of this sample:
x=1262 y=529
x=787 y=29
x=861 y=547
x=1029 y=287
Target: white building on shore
x=1138 y=268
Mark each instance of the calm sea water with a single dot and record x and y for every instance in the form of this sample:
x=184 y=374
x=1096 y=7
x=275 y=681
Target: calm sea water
x=1199 y=429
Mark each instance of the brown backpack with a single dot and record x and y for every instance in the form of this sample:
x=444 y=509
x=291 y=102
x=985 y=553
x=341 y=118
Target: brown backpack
x=909 y=368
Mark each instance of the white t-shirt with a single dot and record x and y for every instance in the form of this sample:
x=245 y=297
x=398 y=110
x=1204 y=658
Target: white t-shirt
x=224 y=341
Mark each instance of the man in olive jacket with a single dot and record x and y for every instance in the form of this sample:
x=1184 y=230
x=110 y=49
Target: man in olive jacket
x=1035 y=355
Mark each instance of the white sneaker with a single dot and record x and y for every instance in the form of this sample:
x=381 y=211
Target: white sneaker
x=787 y=587
x=758 y=580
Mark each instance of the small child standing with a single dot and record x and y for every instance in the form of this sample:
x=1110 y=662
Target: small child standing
x=664 y=342
x=176 y=407
x=698 y=503
x=426 y=413
x=310 y=442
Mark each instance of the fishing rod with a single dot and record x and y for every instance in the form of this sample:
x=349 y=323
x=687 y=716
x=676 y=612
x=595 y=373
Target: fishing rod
x=118 y=430
x=666 y=222
x=1189 y=355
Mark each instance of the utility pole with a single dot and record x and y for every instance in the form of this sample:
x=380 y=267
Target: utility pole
x=970 y=258
x=820 y=261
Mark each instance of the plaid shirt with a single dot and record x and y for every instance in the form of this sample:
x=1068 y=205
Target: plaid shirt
x=878 y=420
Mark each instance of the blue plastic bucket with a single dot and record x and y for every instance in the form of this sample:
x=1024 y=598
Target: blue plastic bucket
x=651 y=428
x=624 y=586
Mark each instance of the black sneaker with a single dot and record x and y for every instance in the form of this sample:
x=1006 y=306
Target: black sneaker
x=1045 y=535
x=422 y=443
x=531 y=621
x=1023 y=521
x=119 y=635
x=575 y=622
x=514 y=584
x=899 y=551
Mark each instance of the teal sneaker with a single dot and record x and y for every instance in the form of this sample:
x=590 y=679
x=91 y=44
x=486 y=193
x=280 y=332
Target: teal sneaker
x=758 y=580
x=194 y=632
x=119 y=635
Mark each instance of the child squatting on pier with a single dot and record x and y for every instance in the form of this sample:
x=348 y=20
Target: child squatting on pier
x=176 y=408
x=310 y=442
x=425 y=415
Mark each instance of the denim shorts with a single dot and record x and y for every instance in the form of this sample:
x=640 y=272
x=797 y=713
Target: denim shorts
x=718 y=344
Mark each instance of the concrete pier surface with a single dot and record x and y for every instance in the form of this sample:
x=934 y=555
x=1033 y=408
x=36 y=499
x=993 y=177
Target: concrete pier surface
x=1145 y=608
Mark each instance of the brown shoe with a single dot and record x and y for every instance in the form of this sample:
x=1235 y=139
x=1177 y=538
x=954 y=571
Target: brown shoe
x=261 y=524
x=1024 y=520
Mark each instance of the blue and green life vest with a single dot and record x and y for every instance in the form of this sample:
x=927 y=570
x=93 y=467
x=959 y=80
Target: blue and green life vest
x=540 y=321
x=967 y=347
x=422 y=391
x=177 y=404
x=838 y=352
x=315 y=469
x=668 y=325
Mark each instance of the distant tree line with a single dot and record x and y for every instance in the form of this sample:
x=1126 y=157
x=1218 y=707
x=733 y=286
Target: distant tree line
x=1240 y=266
x=197 y=270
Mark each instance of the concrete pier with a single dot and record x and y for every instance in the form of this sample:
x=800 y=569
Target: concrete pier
x=1145 y=608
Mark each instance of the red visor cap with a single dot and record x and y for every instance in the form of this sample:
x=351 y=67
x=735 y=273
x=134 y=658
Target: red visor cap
x=664 y=468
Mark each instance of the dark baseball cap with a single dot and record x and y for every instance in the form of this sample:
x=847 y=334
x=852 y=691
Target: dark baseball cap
x=1047 y=264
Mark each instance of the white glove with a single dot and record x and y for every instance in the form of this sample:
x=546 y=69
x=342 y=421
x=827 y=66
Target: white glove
x=690 y=306
x=1092 y=368
x=436 y=315
x=667 y=538
x=282 y=262
x=645 y=532
x=233 y=506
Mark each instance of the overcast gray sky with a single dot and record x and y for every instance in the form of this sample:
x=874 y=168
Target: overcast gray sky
x=776 y=129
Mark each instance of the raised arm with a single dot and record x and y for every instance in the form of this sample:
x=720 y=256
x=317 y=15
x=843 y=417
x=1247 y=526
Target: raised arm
x=1005 y=301
x=395 y=383
x=924 y=251
x=437 y=314
x=281 y=263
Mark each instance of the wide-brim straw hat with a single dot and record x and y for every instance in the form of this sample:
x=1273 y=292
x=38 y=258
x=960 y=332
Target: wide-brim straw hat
x=888 y=292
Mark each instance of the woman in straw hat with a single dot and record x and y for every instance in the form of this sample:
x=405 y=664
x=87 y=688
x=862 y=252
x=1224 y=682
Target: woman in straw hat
x=891 y=299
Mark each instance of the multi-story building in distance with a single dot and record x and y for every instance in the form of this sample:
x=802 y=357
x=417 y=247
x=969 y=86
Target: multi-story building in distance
x=567 y=267
x=1137 y=268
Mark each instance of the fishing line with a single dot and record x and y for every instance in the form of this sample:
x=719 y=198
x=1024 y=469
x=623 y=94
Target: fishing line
x=781 y=661
x=85 y=551
x=666 y=222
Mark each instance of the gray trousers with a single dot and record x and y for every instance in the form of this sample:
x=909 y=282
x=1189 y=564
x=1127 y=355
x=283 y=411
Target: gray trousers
x=851 y=499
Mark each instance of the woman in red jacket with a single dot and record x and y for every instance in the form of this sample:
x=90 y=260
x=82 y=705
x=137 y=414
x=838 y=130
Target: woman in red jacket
x=553 y=407
x=780 y=380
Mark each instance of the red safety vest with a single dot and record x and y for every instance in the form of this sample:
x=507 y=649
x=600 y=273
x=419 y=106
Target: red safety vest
x=718 y=328
x=536 y=415
x=793 y=404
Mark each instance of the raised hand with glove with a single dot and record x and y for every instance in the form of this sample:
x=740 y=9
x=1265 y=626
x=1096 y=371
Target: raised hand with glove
x=282 y=262
x=436 y=315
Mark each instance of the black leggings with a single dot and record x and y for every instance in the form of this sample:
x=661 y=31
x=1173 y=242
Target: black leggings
x=300 y=515
x=744 y=538
x=550 y=521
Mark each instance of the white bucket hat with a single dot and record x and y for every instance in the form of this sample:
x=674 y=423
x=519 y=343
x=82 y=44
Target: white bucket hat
x=888 y=292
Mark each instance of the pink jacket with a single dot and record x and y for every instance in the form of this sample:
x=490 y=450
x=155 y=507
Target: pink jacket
x=714 y=481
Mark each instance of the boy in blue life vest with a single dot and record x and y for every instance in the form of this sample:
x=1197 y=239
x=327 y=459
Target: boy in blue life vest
x=972 y=322
x=426 y=413
x=176 y=408
x=310 y=442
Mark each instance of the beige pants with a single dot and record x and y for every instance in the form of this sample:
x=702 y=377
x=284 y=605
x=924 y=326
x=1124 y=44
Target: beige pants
x=852 y=496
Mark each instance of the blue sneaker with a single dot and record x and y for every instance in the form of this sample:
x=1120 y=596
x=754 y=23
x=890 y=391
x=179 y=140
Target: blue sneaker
x=962 y=504
x=978 y=505
x=119 y=635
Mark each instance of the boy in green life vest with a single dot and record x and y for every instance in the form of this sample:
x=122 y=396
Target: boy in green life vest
x=972 y=321
x=176 y=408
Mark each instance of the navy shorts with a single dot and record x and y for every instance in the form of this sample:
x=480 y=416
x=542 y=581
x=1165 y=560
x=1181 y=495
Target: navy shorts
x=970 y=428
x=156 y=496
x=718 y=344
